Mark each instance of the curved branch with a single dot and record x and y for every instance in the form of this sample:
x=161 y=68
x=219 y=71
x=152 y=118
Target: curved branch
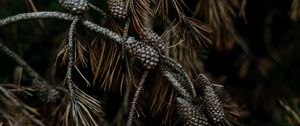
x=102 y=12
x=40 y=84
x=36 y=15
x=63 y=16
x=19 y=60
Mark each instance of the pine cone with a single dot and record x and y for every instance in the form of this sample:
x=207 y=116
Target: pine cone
x=144 y=53
x=117 y=9
x=212 y=104
x=200 y=83
x=46 y=92
x=152 y=39
x=75 y=6
x=190 y=114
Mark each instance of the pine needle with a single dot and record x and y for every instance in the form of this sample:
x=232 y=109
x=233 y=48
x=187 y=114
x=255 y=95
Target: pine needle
x=219 y=14
x=141 y=12
x=77 y=110
x=194 y=33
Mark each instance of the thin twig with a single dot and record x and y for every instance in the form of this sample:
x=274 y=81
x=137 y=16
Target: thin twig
x=19 y=60
x=98 y=10
x=125 y=35
x=126 y=28
x=135 y=98
x=39 y=83
x=71 y=54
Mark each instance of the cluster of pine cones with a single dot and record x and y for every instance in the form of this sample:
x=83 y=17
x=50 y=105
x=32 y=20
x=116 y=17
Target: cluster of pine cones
x=147 y=51
x=204 y=113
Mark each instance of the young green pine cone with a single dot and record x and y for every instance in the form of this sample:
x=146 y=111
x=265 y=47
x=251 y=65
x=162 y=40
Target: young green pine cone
x=190 y=115
x=152 y=39
x=148 y=56
x=75 y=6
x=212 y=104
x=117 y=9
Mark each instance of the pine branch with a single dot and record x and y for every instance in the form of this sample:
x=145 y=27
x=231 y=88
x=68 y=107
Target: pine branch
x=63 y=16
x=126 y=28
x=176 y=66
x=39 y=83
x=177 y=85
x=104 y=31
x=71 y=54
x=19 y=60
x=135 y=98
x=102 y=12
x=125 y=35
x=36 y=15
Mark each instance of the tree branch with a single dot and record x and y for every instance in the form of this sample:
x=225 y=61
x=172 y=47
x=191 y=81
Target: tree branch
x=177 y=85
x=40 y=84
x=135 y=98
x=71 y=55
x=94 y=27
x=176 y=66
